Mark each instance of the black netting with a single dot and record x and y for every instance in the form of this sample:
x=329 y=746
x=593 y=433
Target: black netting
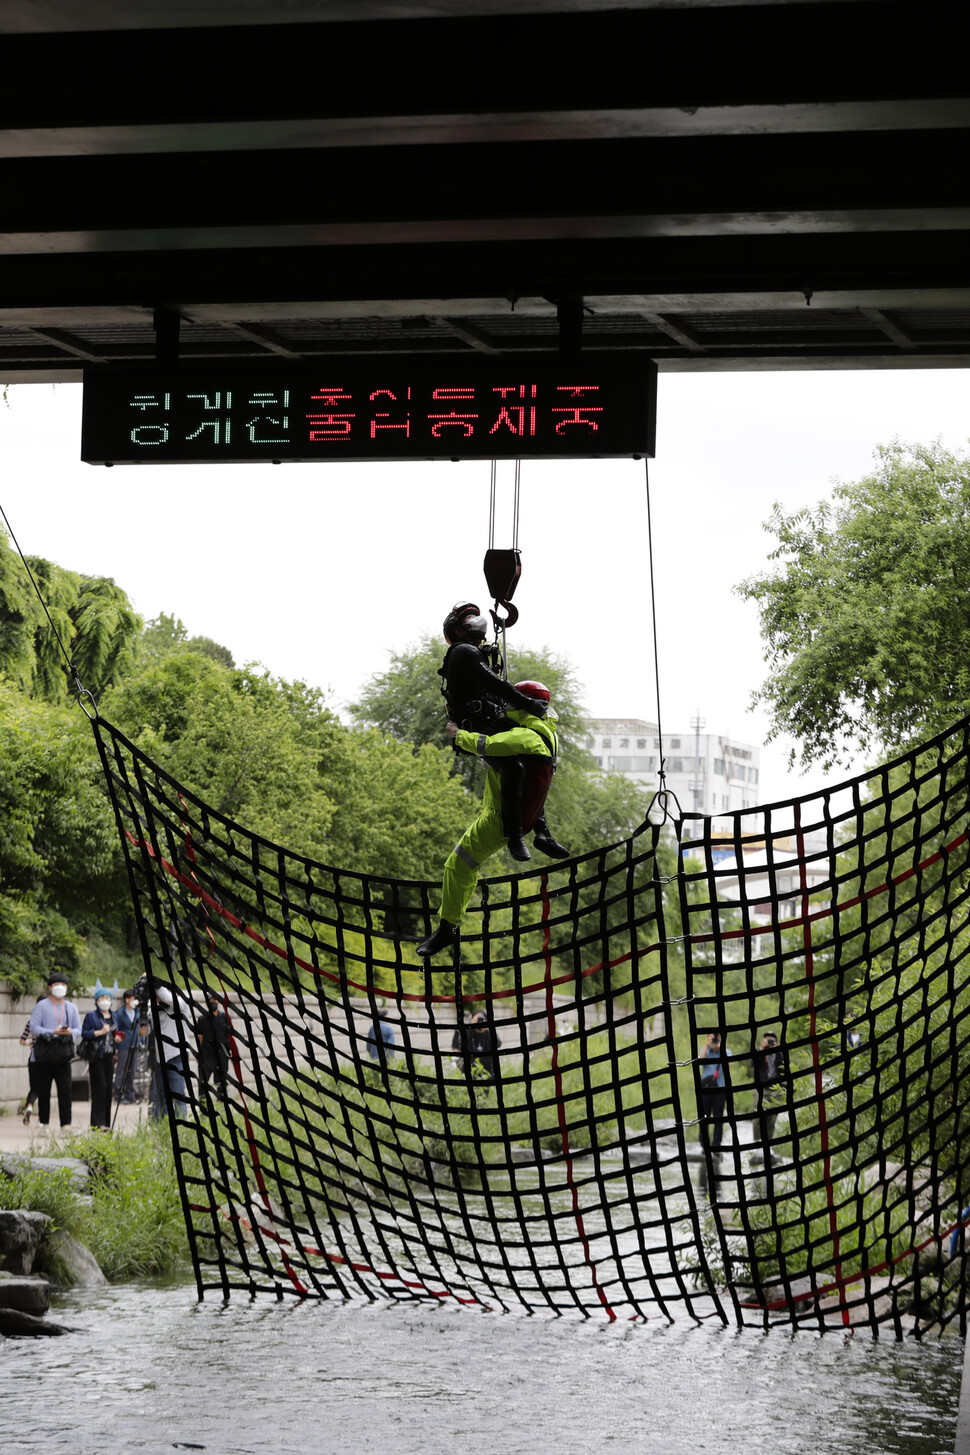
x=543 y=1161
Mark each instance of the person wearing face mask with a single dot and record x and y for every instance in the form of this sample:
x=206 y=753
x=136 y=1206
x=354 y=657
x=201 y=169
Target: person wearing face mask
x=126 y=1040
x=98 y=1041
x=56 y=1028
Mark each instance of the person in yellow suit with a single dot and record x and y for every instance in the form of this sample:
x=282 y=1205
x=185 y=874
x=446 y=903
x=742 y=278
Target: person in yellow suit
x=532 y=744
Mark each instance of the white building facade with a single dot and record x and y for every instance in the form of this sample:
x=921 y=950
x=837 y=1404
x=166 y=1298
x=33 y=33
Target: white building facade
x=713 y=774
x=710 y=773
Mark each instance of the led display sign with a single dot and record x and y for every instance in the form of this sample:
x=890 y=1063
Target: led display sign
x=520 y=406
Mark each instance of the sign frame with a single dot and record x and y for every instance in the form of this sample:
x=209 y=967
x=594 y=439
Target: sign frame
x=376 y=408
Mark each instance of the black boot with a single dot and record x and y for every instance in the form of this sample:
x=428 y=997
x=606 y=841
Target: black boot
x=545 y=843
x=512 y=772
x=443 y=936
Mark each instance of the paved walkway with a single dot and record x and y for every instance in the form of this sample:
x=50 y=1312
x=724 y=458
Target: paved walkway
x=15 y=1137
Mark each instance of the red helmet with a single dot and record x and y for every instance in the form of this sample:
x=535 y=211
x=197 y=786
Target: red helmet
x=464 y=623
x=538 y=691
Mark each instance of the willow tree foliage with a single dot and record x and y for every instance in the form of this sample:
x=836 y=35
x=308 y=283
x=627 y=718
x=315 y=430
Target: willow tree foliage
x=93 y=618
x=866 y=613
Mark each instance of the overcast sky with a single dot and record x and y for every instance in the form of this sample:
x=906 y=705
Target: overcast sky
x=319 y=572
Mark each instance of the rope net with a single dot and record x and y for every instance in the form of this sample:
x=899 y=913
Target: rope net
x=573 y=1153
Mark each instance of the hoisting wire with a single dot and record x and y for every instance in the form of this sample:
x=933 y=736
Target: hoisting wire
x=515 y=505
x=81 y=691
x=503 y=568
x=491 y=508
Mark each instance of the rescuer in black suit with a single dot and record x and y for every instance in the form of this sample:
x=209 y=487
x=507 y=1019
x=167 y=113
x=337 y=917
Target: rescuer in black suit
x=477 y=697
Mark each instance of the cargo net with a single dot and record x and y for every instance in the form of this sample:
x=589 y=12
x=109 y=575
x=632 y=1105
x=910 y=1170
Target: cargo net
x=587 y=1147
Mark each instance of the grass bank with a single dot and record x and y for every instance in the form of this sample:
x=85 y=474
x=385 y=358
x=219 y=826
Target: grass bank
x=132 y=1220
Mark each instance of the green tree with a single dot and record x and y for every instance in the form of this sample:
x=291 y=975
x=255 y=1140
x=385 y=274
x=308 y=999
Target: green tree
x=399 y=811
x=270 y=755
x=405 y=700
x=866 y=616
x=250 y=746
x=60 y=863
x=164 y=634
x=92 y=616
x=586 y=808
x=866 y=621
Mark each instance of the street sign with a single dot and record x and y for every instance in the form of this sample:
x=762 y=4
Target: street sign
x=442 y=407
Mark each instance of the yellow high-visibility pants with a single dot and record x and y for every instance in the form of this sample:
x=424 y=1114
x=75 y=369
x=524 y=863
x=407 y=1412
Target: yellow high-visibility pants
x=479 y=842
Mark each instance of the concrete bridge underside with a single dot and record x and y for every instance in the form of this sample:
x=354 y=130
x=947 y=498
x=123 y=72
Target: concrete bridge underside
x=759 y=185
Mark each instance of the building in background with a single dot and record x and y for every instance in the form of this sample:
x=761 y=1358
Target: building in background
x=710 y=773
x=713 y=774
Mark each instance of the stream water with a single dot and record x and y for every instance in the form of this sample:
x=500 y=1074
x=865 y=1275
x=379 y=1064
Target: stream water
x=153 y=1370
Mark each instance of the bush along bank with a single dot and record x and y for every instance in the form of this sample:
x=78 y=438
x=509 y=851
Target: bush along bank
x=99 y=1209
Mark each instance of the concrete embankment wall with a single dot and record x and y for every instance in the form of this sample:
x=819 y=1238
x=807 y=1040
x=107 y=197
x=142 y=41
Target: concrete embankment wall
x=14 y=1013
x=327 y=1042
x=299 y=1036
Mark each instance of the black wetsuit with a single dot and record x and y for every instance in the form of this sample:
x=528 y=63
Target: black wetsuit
x=475 y=695
x=477 y=699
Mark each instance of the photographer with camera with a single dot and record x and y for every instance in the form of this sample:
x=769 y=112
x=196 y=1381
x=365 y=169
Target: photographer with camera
x=769 y=1069
x=129 y=1041
x=714 y=1091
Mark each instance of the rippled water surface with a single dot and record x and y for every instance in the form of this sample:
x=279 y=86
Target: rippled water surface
x=155 y=1371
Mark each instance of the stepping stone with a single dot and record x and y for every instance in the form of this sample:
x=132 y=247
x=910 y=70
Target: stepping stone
x=14 y=1162
x=27 y=1293
x=21 y=1234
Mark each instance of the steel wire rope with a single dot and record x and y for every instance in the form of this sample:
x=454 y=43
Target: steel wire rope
x=492 y=511
x=662 y=791
x=493 y=489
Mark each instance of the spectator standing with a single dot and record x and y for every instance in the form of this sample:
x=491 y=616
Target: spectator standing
x=26 y=1039
x=459 y=1040
x=56 y=1028
x=713 y=1088
x=212 y=1034
x=481 y=1044
x=769 y=1068
x=127 y=1041
x=853 y=1036
x=98 y=1032
x=380 y=1035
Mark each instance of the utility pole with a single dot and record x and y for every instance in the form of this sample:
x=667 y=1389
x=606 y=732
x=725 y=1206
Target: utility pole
x=697 y=723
